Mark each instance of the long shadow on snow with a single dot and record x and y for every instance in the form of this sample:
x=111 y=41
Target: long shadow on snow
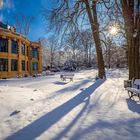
x=35 y=129
x=70 y=88
x=121 y=128
x=68 y=128
x=133 y=106
x=59 y=83
x=74 y=87
x=111 y=130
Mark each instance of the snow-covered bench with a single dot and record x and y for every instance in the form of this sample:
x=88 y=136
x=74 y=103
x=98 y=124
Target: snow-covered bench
x=134 y=90
x=66 y=76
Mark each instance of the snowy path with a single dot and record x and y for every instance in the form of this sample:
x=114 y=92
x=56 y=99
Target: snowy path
x=79 y=110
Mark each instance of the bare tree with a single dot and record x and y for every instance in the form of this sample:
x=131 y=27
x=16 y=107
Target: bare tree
x=23 y=23
x=131 y=15
x=127 y=14
x=87 y=44
x=92 y=15
x=79 y=47
x=51 y=51
x=69 y=14
x=70 y=42
x=114 y=55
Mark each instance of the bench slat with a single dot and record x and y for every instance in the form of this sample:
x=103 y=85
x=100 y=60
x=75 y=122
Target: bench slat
x=133 y=90
x=137 y=82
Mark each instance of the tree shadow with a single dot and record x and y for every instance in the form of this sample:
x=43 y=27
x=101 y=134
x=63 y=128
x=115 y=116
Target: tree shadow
x=133 y=105
x=36 y=128
x=111 y=130
x=67 y=129
x=60 y=83
x=74 y=87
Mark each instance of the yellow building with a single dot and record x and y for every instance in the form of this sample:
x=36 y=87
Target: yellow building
x=18 y=56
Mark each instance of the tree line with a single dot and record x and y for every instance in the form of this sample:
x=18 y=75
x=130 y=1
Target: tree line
x=81 y=29
x=74 y=16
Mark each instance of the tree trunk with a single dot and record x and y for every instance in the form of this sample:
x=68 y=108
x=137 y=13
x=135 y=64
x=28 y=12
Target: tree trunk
x=109 y=57
x=89 y=56
x=95 y=32
x=131 y=27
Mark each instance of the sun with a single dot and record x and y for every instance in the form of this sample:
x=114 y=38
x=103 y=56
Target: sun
x=113 y=30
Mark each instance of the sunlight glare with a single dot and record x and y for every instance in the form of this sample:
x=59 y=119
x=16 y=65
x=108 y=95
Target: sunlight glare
x=113 y=30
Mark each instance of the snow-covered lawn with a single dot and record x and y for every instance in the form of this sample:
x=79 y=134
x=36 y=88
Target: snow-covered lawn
x=45 y=108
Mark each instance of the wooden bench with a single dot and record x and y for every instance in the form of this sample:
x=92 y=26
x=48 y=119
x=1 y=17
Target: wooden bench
x=134 y=90
x=66 y=76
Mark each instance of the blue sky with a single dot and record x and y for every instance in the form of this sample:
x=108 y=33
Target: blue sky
x=30 y=8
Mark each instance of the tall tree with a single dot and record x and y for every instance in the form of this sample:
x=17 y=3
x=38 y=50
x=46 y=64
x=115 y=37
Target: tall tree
x=86 y=43
x=50 y=49
x=72 y=13
x=23 y=23
x=131 y=14
x=92 y=15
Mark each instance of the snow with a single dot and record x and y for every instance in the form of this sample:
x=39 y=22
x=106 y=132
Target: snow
x=46 y=108
x=135 y=33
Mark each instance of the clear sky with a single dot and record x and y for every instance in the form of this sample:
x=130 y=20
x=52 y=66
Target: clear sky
x=30 y=8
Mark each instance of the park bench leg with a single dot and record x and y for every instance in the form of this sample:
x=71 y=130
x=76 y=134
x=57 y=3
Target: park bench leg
x=136 y=99
x=130 y=94
x=139 y=97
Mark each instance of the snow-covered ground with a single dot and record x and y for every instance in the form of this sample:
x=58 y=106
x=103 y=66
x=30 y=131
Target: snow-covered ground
x=45 y=108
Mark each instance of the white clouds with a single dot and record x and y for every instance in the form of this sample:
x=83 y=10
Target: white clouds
x=1 y=4
x=7 y=4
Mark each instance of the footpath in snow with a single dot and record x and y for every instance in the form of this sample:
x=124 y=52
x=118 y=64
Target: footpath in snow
x=46 y=108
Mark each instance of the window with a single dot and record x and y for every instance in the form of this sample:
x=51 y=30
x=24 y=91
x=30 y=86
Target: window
x=34 y=52
x=14 y=47
x=3 y=45
x=23 y=49
x=23 y=65
x=34 y=66
x=3 y=64
x=14 y=65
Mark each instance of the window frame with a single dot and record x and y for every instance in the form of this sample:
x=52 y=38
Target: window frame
x=15 y=42
x=34 y=52
x=5 y=67
x=5 y=46
x=33 y=66
x=23 y=65
x=15 y=68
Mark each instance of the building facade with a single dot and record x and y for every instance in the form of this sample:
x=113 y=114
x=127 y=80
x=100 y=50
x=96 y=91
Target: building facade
x=18 y=56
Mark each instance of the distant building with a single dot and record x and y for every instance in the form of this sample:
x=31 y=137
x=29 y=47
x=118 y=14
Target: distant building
x=18 y=56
